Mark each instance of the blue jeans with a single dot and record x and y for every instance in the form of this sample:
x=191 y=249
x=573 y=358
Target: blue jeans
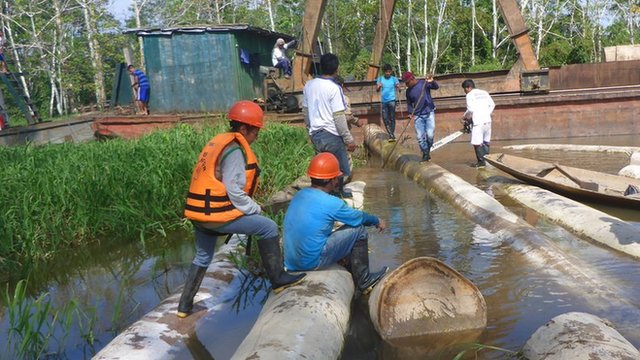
x=389 y=117
x=425 y=126
x=207 y=236
x=285 y=65
x=324 y=141
x=340 y=243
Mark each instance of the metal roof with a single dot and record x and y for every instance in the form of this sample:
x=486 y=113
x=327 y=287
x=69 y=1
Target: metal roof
x=197 y=29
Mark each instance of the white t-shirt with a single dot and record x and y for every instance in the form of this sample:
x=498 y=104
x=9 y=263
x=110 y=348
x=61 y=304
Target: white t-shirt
x=480 y=105
x=322 y=97
x=278 y=53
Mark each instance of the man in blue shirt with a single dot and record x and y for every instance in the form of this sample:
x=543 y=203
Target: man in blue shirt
x=421 y=109
x=309 y=240
x=142 y=87
x=388 y=84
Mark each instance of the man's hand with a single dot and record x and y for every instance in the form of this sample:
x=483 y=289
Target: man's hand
x=351 y=147
x=429 y=77
x=381 y=225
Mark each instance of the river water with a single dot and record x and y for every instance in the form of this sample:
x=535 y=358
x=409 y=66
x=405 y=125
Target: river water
x=119 y=283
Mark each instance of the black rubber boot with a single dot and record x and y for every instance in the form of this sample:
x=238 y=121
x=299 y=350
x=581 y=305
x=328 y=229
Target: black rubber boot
x=272 y=262
x=340 y=190
x=363 y=279
x=191 y=286
x=479 y=149
x=487 y=148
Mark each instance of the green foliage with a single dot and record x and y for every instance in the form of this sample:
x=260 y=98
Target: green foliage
x=358 y=66
x=68 y=195
x=490 y=65
x=580 y=53
x=556 y=53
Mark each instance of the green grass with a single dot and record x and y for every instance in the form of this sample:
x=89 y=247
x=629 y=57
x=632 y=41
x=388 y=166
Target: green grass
x=33 y=323
x=58 y=197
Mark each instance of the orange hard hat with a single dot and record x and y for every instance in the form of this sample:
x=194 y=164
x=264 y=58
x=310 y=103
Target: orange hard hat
x=247 y=112
x=324 y=166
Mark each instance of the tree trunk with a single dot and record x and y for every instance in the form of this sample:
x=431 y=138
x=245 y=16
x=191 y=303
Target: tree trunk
x=273 y=26
x=94 y=49
x=473 y=32
x=137 y=10
x=409 y=32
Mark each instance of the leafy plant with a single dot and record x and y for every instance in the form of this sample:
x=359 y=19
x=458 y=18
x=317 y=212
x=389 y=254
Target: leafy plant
x=35 y=325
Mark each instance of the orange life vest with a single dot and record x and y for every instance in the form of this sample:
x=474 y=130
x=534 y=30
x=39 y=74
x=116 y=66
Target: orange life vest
x=207 y=200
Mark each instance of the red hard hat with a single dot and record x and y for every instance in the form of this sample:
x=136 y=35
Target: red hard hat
x=247 y=112
x=324 y=166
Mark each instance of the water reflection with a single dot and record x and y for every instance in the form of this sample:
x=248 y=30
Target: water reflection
x=519 y=297
x=113 y=283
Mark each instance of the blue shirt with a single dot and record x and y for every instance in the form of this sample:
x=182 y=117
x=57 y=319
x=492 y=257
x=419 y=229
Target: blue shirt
x=388 y=90
x=426 y=105
x=309 y=222
x=142 y=78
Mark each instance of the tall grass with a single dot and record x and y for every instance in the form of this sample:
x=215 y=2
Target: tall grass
x=36 y=327
x=58 y=197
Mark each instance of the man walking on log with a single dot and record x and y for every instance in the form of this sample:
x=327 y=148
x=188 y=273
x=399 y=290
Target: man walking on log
x=310 y=243
x=480 y=105
x=220 y=202
x=421 y=110
x=387 y=85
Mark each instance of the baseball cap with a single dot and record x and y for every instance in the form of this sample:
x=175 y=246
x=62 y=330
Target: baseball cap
x=407 y=75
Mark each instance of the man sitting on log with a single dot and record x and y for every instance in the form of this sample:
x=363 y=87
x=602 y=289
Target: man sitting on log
x=309 y=240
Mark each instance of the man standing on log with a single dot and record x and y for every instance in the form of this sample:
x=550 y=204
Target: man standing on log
x=324 y=116
x=421 y=110
x=309 y=240
x=387 y=85
x=220 y=202
x=480 y=105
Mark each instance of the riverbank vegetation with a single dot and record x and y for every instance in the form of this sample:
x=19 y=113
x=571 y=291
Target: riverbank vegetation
x=60 y=197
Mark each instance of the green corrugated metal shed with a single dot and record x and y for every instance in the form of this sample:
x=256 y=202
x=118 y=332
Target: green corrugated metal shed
x=199 y=69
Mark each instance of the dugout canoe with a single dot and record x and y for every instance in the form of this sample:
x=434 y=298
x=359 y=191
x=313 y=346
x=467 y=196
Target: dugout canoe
x=424 y=296
x=579 y=184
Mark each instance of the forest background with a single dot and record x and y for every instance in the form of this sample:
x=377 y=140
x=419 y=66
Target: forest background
x=69 y=49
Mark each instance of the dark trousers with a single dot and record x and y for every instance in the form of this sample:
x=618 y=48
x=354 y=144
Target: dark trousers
x=389 y=117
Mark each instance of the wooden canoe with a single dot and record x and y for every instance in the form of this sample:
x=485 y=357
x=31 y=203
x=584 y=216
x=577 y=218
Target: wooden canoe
x=426 y=297
x=579 y=184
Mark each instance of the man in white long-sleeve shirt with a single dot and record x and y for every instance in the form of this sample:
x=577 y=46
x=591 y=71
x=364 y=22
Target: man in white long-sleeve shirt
x=480 y=105
x=324 y=108
x=279 y=56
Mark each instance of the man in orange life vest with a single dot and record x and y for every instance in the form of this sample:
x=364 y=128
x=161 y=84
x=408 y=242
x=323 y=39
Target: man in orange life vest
x=220 y=202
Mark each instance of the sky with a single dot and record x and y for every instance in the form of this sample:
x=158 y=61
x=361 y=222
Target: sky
x=120 y=8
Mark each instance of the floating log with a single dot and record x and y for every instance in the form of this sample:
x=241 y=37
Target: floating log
x=308 y=321
x=580 y=219
x=578 y=335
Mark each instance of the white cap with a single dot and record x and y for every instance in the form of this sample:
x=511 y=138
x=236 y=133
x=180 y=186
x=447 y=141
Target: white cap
x=280 y=41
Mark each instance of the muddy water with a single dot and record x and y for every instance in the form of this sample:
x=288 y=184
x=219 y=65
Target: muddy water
x=123 y=282
x=519 y=298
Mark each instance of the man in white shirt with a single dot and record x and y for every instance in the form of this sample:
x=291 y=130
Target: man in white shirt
x=324 y=116
x=279 y=56
x=480 y=105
